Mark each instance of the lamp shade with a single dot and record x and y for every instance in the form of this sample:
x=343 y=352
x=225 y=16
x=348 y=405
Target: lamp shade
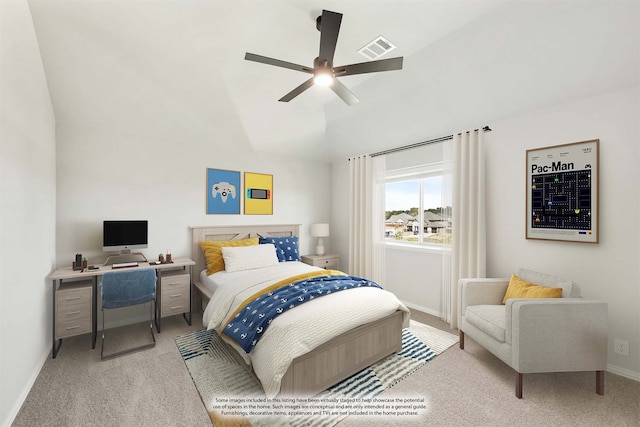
x=320 y=230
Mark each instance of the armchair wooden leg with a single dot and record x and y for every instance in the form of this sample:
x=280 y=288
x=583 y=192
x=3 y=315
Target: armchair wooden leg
x=600 y=382
x=518 y=385
x=462 y=340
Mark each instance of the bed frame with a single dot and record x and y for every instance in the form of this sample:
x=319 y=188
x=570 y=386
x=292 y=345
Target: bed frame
x=327 y=364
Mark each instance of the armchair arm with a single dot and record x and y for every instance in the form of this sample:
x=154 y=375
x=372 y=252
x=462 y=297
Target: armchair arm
x=480 y=291
x=557 y=334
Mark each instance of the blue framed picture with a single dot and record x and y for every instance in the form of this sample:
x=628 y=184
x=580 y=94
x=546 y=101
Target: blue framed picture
x=223 y=191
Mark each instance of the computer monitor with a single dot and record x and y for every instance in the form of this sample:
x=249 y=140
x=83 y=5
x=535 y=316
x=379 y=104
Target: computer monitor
x=124 y=235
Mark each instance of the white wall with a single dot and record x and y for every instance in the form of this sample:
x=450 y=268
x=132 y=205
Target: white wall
x=606 y=271
x=107 y=175
x=340 y=211
x=415 y=276
x=27 y=208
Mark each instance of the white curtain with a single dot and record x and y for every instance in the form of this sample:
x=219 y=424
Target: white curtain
x=366 y=217
x=447 y=200
x=468 y=251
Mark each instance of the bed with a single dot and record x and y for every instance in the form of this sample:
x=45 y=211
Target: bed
x=297 y=366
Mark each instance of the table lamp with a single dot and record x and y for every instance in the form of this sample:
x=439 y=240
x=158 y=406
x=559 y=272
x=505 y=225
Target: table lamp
x=320 y=231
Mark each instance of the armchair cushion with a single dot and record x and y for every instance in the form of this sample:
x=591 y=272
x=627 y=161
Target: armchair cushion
x=488 y=318
x=519 y=288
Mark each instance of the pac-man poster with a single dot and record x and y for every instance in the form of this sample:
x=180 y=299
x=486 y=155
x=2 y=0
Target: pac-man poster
x=258 y=194
x=223 y=192
x=562 y=192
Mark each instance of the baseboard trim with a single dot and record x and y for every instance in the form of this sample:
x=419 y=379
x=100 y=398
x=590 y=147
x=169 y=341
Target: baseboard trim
x=423 y=309
x=13 y=413
x=623 y=372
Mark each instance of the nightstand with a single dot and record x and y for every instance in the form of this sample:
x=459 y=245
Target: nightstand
x=327 y=261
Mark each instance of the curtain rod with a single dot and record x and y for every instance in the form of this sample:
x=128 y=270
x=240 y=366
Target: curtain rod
x=420 y=144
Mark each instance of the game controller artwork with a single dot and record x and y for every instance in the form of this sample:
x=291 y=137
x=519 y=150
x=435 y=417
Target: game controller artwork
x=562 y=197
x=222 y=191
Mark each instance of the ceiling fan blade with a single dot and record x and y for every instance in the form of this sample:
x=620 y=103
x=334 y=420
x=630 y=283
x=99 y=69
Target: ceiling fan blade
x=278 y=63
x=344 y=93
x=369 y=67
x=329 y=29
x=297 y=91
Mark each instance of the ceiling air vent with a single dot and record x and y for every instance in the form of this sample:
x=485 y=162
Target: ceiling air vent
x=376 y=48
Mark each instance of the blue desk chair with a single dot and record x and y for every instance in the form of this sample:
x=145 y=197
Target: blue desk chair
x=126 y=288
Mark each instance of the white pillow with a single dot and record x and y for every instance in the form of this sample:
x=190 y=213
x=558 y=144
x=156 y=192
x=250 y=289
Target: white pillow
x=241 y=258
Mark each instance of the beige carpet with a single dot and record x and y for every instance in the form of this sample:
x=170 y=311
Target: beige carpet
x=467 y=387
x=147 y=388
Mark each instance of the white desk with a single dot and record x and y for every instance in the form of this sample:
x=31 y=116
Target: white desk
x=67 y=274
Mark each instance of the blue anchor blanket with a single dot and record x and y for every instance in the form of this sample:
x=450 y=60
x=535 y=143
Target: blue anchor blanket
x=249 y=322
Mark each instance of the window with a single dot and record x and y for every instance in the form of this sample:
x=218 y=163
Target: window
x=416 y=211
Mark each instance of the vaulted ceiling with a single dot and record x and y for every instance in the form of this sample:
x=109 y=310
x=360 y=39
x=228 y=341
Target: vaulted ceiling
x=177 y=66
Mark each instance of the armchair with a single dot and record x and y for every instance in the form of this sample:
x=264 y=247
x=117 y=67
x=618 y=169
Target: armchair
x=535 y=335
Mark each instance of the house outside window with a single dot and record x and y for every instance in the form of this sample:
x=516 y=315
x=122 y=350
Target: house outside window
x=416 y=211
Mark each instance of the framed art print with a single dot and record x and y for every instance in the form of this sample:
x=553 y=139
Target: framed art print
x=562 y=192
x=258 y=194
x=223 y=192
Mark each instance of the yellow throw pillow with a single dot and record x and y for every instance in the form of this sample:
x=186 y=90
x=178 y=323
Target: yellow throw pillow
x=519 y=288
x=212 y=250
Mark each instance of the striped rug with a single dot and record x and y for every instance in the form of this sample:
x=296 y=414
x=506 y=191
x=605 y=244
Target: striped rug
x=218 y=374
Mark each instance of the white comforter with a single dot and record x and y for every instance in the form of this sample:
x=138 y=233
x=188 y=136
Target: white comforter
x=298 y=330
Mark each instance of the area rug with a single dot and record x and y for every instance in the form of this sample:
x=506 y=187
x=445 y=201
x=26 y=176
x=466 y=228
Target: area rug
x=234 y=397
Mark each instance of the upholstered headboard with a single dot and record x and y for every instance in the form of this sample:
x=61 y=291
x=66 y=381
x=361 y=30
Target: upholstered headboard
x=233 y=232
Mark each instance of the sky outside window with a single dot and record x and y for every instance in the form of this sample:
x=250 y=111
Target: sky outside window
x=404 y=195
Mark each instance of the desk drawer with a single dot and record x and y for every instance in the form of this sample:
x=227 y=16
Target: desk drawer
x=175 y=297
x=71 y=327
x=173 y=306
x=73 y=296
x=175 y=302
x=73 y=312
x=175 y=283
x=73 y=309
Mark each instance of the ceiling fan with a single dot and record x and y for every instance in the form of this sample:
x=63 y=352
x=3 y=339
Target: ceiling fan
x=323 y=71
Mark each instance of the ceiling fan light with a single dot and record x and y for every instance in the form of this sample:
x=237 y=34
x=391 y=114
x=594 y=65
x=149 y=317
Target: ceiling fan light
x=323 y=77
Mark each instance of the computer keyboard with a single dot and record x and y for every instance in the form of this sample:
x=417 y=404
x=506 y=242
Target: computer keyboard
x=124 y=264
